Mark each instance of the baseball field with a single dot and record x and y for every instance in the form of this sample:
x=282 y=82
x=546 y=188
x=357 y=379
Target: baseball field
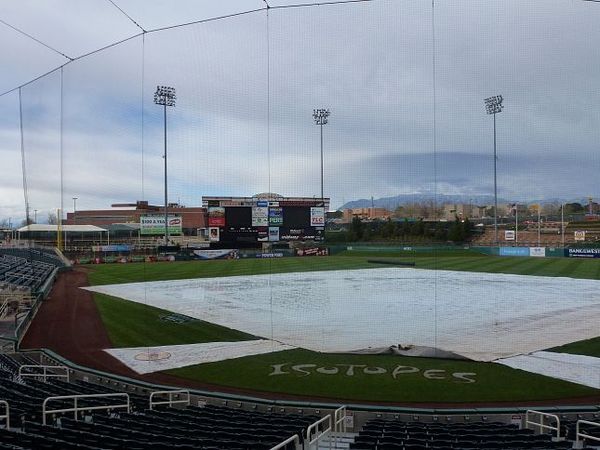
x=341 y=377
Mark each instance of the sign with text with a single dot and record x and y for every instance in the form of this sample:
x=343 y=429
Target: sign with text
x=580 y=235
x=275 y=216
x=260 y=216
x=514 y=251
x=509 y=235
x=317 y=216
x=316 y=251
x=111 y=248
x=262 y=234
x=216 y=216
x=540 y=252
x=155 y=225
x=214 y=234
x=583 y=252
x=216 y=254
x=273 y=234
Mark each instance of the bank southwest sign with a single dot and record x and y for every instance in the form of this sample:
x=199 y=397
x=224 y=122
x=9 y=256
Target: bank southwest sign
x=583 y=252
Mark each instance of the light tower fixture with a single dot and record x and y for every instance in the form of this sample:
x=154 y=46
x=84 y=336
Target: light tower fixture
x=493 y=106
x=320 y=117
x=165 y=96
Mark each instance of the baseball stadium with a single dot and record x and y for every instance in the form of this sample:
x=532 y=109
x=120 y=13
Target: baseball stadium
x=355 y=224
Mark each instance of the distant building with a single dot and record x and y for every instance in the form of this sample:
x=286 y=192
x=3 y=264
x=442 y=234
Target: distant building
x=366 y=214
x=460 y=210
x=520 y=208
x=193 y=219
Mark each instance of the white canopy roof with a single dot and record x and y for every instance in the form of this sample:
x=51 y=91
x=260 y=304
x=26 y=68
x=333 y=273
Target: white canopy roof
x=66 y=228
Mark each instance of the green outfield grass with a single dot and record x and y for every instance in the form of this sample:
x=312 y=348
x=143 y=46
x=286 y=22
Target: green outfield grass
x=551 y=267
x=132 y=325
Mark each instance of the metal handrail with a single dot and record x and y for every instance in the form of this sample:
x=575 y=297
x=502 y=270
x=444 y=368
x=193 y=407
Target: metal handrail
x=339 y=420
x=579 y=434
x=339 y=423
x=45 y=374
x=6 y=415
x=170 y=402
x=318 y=436
x=541 y=424
x=295 y=439
x=75 y=409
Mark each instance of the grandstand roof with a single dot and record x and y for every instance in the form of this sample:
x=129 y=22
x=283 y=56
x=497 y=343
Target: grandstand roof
x=67 y=228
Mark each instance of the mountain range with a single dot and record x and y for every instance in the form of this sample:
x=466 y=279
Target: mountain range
x=392 y=203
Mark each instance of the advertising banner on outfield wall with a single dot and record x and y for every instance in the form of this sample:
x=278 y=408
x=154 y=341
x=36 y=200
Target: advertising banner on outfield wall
x=537 y=251
x=155 y=225
x=216 y=254
x=514 y=251
x=316 y=251
x=111 y=248
x=582 y=252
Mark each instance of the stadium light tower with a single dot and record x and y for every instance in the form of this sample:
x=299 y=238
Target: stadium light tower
x=165 y=96
x=320 y=117
x=493 y=105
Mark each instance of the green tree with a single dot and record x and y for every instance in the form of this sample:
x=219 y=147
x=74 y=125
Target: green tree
x=574 y=208
x=357 y=228
x=467 y=228
x=388 y=229
x=418 y=228
x=457 y=231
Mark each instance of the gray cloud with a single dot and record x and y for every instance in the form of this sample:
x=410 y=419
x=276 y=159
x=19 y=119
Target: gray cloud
x=370 y=63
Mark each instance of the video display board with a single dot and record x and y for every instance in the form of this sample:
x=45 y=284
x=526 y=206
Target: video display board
x=267 y=221
x=296 y=216
x=238 y=217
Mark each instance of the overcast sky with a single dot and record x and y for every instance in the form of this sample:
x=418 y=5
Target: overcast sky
x=246 y=88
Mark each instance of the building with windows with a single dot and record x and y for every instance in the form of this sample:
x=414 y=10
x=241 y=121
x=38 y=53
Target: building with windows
x=365 y=214
x=193 y=219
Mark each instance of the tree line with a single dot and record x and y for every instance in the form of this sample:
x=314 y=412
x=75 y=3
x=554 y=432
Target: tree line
x=456 y=231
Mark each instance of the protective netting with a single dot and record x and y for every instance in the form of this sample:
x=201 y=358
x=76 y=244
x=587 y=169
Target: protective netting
x=405 y=83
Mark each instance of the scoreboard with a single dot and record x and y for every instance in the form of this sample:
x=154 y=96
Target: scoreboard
x=247 y=220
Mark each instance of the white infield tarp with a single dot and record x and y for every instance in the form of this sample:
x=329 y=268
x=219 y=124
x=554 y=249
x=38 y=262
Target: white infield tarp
x=154 y=359
x=575 y=368
x=479 y=315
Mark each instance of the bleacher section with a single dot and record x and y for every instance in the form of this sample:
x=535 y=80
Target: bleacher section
x=193 y=427
x=382 y=434
x=139 y=425
x=45 y=255
x=28 y=268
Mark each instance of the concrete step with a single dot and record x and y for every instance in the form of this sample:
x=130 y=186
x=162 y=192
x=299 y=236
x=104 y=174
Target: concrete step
x=337 y=441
